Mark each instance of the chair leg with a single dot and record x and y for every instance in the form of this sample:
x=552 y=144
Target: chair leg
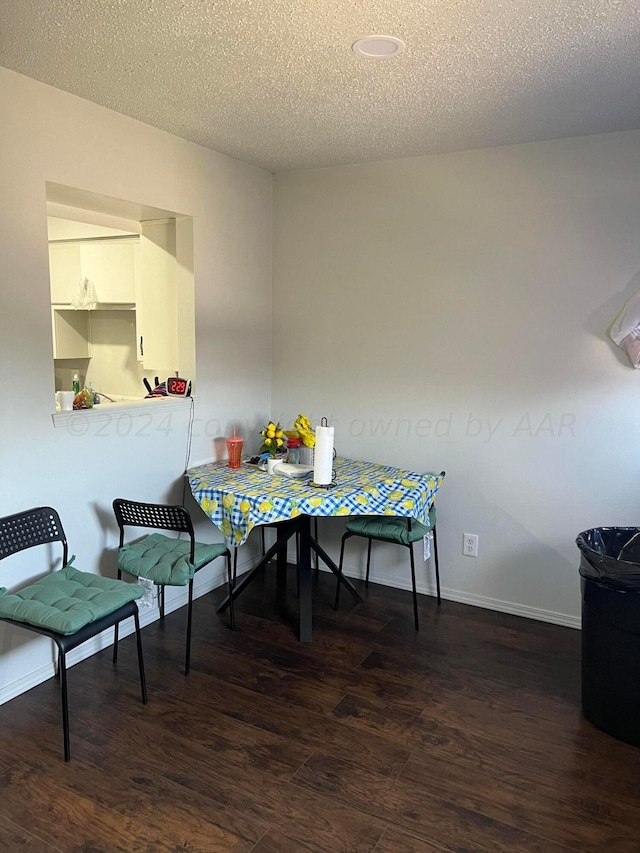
x=366 y=580
x=115 y=631
x=143 y=681
x=231 y=584
x=161 y=600
x=435 y=559
x=189 y=612
x=262 y=541
x=315 y=536
x=235 y=565
x=413 y=584
x=62 y=663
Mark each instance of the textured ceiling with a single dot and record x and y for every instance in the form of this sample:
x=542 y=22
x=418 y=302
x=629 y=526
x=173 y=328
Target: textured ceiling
x=274 y=82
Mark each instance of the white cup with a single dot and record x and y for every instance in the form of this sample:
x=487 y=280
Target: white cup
x=272 y=463
x=65 y=400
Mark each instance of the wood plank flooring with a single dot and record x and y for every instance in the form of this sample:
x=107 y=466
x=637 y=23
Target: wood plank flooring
x=465 y=737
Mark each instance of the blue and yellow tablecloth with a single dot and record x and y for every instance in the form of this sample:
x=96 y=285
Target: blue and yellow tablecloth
x=239 y=499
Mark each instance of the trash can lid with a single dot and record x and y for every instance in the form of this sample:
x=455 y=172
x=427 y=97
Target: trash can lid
x=611 y=556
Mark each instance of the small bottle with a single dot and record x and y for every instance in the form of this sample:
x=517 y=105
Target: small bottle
x=94 y=394
x=293 y=451
x=76 y=383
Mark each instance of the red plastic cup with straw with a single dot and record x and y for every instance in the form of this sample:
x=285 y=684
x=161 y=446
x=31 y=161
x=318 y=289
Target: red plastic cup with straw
x=234 y=450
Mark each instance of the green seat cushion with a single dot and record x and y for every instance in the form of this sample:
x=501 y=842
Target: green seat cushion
x=67 y=600
x=164 y=560
x=391 y=527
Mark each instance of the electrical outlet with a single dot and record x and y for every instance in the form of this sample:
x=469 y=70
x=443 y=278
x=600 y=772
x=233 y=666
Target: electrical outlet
x=470 y=544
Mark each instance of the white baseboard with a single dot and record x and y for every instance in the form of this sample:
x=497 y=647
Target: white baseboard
x=537 y=613
x=26 y=682
x=496 y=604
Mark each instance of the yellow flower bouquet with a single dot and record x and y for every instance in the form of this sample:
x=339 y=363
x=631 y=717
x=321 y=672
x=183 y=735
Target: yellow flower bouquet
x=272 y=438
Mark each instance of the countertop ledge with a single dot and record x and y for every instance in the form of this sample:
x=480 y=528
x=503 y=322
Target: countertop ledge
x=119 y=411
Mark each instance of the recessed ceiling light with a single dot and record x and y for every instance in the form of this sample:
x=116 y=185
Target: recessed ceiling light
x=378 y=47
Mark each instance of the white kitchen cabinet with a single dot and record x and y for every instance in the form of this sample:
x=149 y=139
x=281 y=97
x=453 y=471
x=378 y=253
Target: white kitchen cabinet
x=156 y=299
x=71 y=333
x=110 y=264
x=138 y=272
x=64 y=271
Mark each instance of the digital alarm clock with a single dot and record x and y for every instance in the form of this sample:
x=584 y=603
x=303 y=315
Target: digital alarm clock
x=177 y=387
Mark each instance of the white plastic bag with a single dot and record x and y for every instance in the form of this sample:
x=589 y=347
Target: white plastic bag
x=427 y=545
x=149 y=595
x=625 y=331
x=85 y=296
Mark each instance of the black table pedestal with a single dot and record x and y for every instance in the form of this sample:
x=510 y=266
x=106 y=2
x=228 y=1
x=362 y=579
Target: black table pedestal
x=287 y=529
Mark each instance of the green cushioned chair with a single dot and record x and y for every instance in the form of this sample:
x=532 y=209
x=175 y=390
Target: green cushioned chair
x=67 y=606
x=399 y=531
x=167 y=561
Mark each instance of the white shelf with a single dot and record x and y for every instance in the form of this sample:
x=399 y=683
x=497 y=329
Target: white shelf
x=79 y=421
x=99 y=306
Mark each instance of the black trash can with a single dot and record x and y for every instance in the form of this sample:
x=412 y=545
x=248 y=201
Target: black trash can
x=610 y=583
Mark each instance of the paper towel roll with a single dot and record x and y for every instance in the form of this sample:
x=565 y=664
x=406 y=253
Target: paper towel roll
x=323 y=458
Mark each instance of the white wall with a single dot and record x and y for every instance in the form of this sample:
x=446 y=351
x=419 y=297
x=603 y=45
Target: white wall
x=473 y=291
x=48 y=135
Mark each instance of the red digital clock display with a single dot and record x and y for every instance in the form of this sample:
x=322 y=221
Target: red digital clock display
x=178 y=387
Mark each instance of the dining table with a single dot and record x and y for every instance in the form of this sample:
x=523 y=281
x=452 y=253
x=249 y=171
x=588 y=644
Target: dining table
x=239 y=499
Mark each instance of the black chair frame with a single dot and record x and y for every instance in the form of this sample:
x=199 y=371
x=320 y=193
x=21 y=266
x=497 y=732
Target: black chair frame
x=40 y=526
x=409 y=545
x=177 y=519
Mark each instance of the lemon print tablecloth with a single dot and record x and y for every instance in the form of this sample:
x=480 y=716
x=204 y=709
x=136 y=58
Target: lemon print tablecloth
x=237 y=500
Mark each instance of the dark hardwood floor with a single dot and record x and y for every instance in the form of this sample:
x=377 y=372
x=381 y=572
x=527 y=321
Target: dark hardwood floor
x=466 y=736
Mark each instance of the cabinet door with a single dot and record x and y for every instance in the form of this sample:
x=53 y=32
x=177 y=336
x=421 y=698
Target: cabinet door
x=156 y=299
x=64 y=271
x=110 y=266
x=71 y=333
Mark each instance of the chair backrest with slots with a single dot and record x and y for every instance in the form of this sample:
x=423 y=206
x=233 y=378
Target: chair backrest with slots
x=159 y=516
x=32 y=527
